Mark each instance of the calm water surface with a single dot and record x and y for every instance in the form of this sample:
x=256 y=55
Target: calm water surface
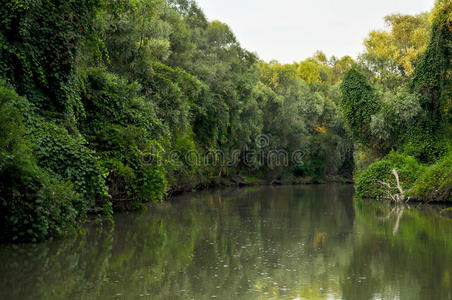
x=308 y=242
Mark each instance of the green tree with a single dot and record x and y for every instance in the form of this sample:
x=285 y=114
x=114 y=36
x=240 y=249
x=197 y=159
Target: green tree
x=358 y=104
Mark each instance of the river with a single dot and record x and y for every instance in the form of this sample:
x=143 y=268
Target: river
x=293 y=242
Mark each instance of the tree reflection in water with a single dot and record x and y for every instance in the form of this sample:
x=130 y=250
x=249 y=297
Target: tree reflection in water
x=308 y=242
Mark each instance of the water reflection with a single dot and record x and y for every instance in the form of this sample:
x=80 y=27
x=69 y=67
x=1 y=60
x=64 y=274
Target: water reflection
x=257 y=243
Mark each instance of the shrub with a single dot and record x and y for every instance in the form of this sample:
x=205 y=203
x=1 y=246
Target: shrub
x=367 y=181
x=69 y=158
x=134 y=172
x=424 y=144
x=33 y=203
x=435 y=184
x=34 y=206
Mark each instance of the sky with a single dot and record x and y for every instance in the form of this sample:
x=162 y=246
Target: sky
x=291 y=30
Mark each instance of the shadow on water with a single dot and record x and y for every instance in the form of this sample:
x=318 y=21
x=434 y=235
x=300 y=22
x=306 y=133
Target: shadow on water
x=306 y=242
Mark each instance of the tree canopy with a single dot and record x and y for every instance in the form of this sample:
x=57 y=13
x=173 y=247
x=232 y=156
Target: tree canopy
x=108 y=105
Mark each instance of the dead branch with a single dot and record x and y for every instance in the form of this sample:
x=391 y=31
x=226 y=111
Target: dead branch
x=399 y=195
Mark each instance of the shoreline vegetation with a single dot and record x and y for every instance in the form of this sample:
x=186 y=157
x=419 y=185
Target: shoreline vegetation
x=107 y=105
x=247 y=181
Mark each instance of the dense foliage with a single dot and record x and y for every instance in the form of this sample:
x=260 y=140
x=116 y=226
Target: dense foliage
x=111 y=104
x=107 y=105
x=414 y=120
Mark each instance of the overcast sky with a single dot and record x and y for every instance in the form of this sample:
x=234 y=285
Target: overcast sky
x=291 y=30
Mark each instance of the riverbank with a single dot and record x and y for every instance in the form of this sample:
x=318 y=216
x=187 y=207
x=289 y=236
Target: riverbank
x=243 y=181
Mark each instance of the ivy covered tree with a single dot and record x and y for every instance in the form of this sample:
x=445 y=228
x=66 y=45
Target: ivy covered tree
x=40 y=44
x=432 y=77
x=359 y=103
x=417 y=123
